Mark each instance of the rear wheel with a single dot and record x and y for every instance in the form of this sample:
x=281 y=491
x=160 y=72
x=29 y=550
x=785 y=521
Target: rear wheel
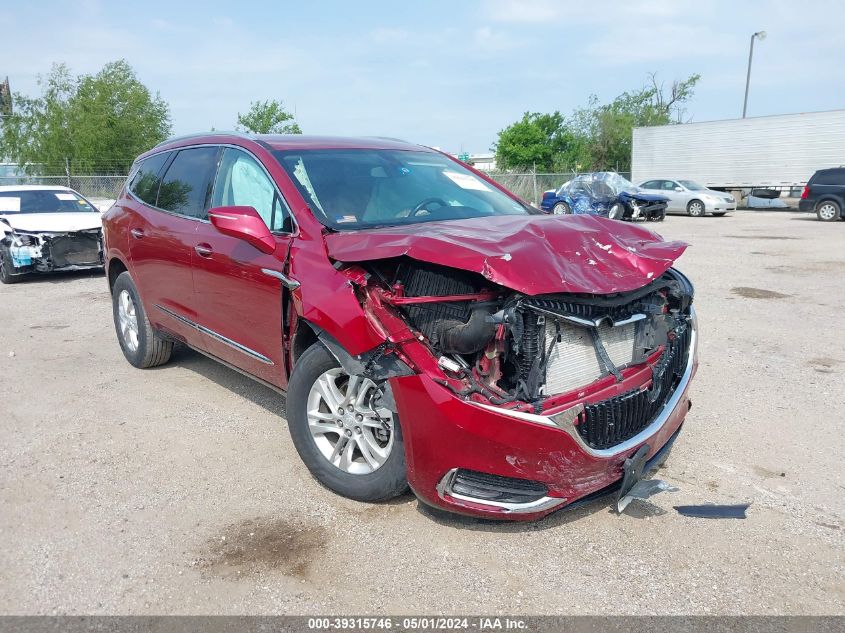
x=828 y=211
x=696 y=208
x=142 y=346
x=561 y=208
x=6 y=267
x=350 y=443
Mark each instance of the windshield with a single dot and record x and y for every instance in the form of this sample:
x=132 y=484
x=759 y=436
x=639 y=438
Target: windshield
x=602 y=184
x=692 y=185
x=360 y=188
x=43 y=201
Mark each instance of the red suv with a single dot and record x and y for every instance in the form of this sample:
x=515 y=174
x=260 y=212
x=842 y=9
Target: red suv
x=429 y=328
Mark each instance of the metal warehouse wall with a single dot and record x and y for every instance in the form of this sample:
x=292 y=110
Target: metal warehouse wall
x=773 y=150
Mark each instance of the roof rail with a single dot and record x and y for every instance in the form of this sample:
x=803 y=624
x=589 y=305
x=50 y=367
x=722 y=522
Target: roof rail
x=391 y=138
x=186 y=137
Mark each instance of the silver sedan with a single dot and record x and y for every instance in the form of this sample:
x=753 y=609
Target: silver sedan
x=686 y=196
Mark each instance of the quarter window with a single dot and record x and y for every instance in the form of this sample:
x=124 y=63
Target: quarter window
x=186 y=185
x=147 y=180
x=242 y=182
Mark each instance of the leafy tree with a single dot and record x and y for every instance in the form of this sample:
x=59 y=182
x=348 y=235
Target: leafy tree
x=594 y=137
x=537 y=141
x=268 y=117
x=93 y=123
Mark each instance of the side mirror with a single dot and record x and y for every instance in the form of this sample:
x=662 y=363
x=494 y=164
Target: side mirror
x=245 y=224
x=678 y=188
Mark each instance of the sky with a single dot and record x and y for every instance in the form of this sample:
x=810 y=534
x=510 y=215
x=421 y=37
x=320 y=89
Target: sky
x=445 y=74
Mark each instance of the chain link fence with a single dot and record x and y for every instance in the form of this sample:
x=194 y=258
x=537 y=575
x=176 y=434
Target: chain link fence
x=528 y=186
x=88 y=186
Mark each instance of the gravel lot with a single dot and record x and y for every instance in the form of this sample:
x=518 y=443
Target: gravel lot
x=177 y=490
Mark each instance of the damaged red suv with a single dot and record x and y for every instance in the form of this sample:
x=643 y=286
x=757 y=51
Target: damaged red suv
x=429 y=328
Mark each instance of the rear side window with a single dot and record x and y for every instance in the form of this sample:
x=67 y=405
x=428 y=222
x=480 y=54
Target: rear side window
x=830 y=177
x=186 y=186
x=146 y=181
x=651 y=184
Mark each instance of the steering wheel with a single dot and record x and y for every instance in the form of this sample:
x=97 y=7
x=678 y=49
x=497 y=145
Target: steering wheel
x=422 y=205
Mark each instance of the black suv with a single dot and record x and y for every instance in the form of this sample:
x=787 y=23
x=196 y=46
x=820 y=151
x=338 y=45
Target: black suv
x=825 y=194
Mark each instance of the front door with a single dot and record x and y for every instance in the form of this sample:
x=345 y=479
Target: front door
x=240 y=301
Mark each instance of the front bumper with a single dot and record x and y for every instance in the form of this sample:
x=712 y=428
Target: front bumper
x=443 y=433
x=55 y=252
x=719 y=207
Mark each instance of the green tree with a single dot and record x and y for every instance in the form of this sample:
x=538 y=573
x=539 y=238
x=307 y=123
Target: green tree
x=537 y=141
x=93 y=123
x=594 y=137
x=268 y=117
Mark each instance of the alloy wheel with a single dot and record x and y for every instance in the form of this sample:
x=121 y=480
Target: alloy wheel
x=827 y=211
x=127 y=320
x=347 y=428
x=696 y=209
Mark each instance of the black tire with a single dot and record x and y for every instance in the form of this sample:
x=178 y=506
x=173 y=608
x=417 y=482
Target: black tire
x=6 y=275
x=616 y=211
x=152 y=349
x=696 y=208
x=719 y=214
x=386 y=482
x=828 y=211
x=561 y=208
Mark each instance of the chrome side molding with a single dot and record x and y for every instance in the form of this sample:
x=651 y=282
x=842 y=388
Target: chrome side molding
x=217 y=336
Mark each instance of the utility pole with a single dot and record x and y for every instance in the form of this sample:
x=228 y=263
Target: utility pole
x=761 y=35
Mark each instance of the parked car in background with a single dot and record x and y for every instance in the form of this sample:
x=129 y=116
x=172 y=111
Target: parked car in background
x=825 y=194
x=687 y=196
x=606 y=194
x=47 y=228
x=429 y=327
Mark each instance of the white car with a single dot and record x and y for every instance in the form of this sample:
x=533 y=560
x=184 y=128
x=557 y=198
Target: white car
x=687 y=196
x=47 y=228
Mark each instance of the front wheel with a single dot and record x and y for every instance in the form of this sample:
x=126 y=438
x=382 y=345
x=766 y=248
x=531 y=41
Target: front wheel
x=349 y=441
x=6 y=275
x=828 y=211
x=696 y=208
x=561 y=208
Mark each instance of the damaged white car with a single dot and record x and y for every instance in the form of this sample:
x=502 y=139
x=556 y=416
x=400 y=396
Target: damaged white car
x=45 y=229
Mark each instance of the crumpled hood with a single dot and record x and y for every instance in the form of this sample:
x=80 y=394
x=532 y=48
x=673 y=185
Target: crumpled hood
x=537 y=254
x=53 y=222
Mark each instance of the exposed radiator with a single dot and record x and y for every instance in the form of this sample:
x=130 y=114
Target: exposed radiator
x=573 y=361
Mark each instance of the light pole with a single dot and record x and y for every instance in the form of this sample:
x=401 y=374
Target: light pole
x=761 y=35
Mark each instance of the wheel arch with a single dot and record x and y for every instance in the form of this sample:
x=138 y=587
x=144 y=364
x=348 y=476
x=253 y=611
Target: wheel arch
x=115 y=267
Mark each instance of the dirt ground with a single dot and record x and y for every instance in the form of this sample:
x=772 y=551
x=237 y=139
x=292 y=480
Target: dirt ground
x=178 y=490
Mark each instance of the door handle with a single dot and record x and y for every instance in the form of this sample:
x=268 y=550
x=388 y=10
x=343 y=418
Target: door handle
x=137 y=233
x=203 y=250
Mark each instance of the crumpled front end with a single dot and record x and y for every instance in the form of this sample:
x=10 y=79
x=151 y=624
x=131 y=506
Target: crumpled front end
x=515 y=405
x=47 y=252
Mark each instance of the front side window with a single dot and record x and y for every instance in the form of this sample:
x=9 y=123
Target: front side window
x=186 y=186
x=147 y=179
x=360 y=188
x=692 y=185
x=242 y=182
x=43 y=201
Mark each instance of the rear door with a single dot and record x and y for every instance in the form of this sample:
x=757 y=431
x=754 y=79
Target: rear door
x=160 y=244
x=240 y=297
